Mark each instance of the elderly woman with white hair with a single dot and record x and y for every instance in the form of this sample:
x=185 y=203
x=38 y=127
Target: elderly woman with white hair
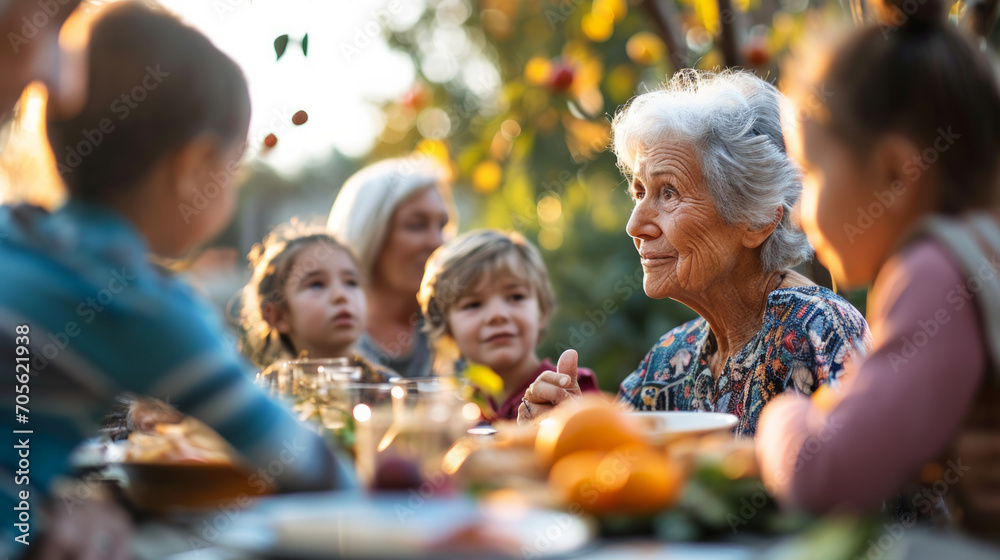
x=393 y=214
x=714 y=193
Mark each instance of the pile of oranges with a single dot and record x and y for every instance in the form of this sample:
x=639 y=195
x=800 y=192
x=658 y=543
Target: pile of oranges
x=600 y=463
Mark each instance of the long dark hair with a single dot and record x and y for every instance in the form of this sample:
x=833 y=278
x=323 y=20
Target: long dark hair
x=913 y=73
x=154 y=84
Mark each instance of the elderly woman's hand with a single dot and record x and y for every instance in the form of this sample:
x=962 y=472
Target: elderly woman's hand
x=550 y=388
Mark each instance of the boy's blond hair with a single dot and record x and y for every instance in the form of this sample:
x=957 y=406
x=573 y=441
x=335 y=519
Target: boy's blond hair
x=461 y=264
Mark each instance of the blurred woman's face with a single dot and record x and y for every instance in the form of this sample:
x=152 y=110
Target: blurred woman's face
x=415 y=230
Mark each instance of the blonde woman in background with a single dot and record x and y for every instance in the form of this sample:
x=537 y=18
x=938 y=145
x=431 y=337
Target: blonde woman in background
x=394 y=214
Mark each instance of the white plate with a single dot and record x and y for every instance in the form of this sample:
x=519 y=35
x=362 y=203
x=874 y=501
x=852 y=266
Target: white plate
x=672 y=424
x=397 y=526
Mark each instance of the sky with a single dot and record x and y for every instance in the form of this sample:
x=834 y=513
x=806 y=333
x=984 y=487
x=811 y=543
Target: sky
x=348 y=72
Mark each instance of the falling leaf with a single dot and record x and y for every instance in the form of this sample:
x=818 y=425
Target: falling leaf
x=305 y=45
x=280 y=44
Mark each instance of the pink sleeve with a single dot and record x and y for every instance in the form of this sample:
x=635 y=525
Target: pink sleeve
x=898 y=408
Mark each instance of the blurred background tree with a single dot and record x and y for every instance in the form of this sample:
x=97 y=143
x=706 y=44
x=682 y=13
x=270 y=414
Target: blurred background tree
x=527 y=139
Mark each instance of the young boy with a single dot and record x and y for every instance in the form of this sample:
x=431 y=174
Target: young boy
x=488 y=292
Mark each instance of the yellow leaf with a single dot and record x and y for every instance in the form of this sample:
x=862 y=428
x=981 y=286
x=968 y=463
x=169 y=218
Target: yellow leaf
x=485 y=379
x=486 y=177
x=596 y=28
x=708 y=14
x=618 y=8
x=645 y=48
x=538 y=70
x=435 y=149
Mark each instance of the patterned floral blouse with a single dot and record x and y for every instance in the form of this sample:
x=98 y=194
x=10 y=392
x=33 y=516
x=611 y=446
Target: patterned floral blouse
x=808 y=334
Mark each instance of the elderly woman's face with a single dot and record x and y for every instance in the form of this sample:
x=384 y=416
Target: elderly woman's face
x=684 y=245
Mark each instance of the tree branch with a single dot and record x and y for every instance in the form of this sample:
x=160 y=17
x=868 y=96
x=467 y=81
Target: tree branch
x=662 y=16
x=728 y=15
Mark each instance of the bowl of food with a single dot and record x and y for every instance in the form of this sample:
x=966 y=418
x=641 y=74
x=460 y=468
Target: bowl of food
x=186 y=466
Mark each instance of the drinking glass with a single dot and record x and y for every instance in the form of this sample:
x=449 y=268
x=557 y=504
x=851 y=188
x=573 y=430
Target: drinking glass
x=429 y=420
x=307 y=387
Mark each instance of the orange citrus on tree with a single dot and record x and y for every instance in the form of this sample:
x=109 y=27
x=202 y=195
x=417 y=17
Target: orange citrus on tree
x=645 y=48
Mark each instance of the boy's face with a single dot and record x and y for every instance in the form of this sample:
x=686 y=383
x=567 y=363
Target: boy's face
x=325 y=304
x=497 y=323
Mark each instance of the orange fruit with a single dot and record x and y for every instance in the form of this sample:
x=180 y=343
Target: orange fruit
x=654 y=482
x=576 y=480
x=589 y=424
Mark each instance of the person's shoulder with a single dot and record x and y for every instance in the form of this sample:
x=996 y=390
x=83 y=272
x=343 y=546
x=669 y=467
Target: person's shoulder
x=924 y=262
x=23 y=230
x=681 y=343
x=18 y=217
x=803 y=305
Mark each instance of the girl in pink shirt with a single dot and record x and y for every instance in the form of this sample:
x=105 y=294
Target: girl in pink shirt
x=898 y=137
